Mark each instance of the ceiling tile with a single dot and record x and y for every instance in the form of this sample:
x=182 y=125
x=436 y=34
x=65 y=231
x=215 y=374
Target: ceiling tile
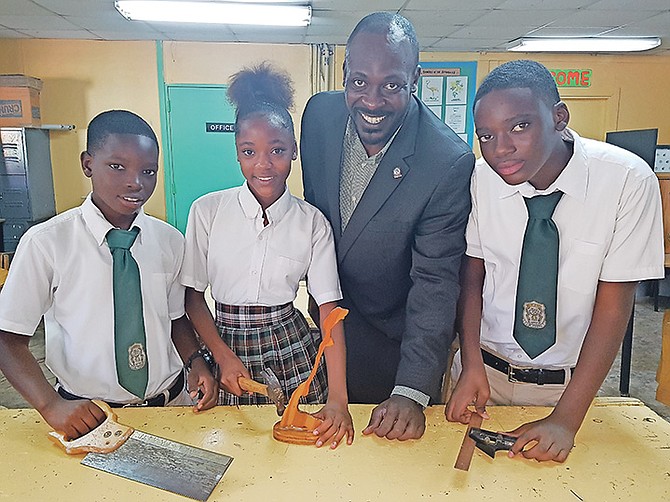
x=440 y=24
x=77 y=7
x=517 y=18
x=551 y=31
x=450 y=6
x=535 y=5
x=591 y=18
x=40 y=22
x=633 y=5
x=467 y=45
x=20 y=8
x=67 y=34
x=659 y=22
x=355 y=5
x=487 y=32
x=7 y=33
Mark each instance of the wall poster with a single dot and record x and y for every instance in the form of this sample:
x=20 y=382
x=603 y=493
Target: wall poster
x=448 y=89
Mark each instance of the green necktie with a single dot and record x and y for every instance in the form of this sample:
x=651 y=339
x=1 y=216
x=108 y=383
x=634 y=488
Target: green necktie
x=535 y=312
x=129 y=335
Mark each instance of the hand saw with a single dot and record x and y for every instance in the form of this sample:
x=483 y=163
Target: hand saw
x=118 y=449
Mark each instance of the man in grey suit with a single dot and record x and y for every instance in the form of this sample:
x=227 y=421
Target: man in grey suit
x=393 y=180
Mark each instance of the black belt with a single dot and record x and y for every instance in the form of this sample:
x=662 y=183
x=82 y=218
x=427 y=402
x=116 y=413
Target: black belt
x=514 y=374
x=158 y=400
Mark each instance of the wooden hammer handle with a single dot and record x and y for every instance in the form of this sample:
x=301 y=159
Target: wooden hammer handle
x=252 y=386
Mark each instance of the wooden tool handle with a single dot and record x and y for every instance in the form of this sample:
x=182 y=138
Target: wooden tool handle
x=468 y=446
x=252 y=386
x=105 y=438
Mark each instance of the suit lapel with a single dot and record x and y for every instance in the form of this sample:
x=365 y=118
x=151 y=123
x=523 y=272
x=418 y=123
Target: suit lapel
x=332 y=167
x=391 y=172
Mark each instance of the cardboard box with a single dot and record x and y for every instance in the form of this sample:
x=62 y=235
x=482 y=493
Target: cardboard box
x=20 y=101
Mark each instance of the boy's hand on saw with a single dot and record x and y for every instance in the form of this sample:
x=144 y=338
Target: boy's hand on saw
x=72 y=418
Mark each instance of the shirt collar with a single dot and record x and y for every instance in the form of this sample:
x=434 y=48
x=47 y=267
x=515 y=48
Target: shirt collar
x=352 y=137
x=98 y=225
x=252 y=208
x=573 y=180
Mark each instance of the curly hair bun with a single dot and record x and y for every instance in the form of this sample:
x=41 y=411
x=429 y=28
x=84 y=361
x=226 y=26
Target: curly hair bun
x=261 y=84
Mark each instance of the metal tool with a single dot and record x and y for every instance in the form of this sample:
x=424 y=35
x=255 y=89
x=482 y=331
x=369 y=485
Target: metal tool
x=468 y=446
x=491 y=442
x=155 y=461
x=272 y=389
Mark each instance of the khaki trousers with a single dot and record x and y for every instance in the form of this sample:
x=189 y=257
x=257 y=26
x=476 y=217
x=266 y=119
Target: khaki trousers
x=504 y=392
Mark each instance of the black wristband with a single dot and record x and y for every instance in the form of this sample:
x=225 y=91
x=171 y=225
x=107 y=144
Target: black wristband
x=198 y=353
x=205 y=354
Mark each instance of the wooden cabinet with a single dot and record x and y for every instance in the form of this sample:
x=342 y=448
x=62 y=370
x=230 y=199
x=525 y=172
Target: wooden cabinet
x=664 y=183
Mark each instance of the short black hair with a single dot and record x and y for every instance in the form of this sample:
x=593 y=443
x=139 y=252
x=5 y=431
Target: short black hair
x=396 y=28
x=521 y=74
x=116 y=122
x=265 y=91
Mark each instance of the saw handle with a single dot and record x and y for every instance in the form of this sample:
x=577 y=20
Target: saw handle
x=105 y=438
x=250 y=385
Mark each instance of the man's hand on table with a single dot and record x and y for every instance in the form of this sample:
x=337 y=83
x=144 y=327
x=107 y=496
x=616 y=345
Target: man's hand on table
x=397 y=418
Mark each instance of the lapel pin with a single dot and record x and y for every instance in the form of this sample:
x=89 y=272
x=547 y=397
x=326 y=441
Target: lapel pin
x=397 y=173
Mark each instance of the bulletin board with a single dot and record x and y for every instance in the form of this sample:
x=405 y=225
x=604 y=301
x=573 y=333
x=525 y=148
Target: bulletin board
x=448 y=89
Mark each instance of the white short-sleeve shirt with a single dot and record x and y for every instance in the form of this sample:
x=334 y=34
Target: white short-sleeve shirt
x=62 y=270
x=610 y=229
x=247 y=263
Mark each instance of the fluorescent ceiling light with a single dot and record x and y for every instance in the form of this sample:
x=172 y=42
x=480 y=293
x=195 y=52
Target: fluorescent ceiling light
x=215 y=12
x=583 y=44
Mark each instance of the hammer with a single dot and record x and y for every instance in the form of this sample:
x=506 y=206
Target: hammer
x=271 y=389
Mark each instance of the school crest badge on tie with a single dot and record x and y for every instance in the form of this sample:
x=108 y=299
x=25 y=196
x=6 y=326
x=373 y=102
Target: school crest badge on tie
x=534 y=315
x=137 y=358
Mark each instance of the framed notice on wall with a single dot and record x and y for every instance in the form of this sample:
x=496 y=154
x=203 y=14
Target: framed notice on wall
x=448 y=89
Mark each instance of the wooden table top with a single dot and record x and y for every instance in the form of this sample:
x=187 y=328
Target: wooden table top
x=622 y=452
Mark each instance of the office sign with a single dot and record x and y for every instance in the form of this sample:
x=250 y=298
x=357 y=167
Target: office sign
x=219 y=127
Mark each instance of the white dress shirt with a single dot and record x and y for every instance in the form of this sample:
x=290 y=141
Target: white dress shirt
x=247 y=263
x=62 y=270
x=610 y=229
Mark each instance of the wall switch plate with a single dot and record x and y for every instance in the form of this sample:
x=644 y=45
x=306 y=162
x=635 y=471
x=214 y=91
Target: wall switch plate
x=662 y=161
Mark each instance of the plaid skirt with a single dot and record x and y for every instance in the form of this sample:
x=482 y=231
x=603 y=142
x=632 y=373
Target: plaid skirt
x=274 y=337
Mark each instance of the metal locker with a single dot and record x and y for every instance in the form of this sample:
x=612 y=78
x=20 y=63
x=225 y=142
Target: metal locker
x=26 y=181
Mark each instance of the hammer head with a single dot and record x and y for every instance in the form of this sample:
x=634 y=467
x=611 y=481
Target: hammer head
x=275 y=392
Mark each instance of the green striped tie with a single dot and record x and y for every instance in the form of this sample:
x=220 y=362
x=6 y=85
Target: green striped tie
x=129 y=335
x=535 y=313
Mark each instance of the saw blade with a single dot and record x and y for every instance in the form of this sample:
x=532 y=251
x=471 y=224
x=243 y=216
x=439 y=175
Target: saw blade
x=165 y=464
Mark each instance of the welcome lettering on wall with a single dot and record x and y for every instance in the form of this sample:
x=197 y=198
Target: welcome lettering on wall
x=572 y=78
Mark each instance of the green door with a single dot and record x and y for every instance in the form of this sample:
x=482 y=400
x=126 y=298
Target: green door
x=201 y=140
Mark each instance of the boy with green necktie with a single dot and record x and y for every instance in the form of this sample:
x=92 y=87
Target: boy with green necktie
x=562 y=229
x=104 y=276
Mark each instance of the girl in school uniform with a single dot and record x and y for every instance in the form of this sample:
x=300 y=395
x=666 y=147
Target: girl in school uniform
x=252 y=245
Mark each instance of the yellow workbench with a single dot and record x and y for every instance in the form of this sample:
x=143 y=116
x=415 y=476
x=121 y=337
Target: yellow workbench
x=622 y=453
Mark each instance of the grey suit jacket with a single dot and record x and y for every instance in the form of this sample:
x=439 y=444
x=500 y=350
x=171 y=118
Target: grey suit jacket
x=400 y=254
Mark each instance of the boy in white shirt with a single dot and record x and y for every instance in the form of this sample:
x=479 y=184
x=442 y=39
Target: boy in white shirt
x=523 y=343
x=63 y=271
